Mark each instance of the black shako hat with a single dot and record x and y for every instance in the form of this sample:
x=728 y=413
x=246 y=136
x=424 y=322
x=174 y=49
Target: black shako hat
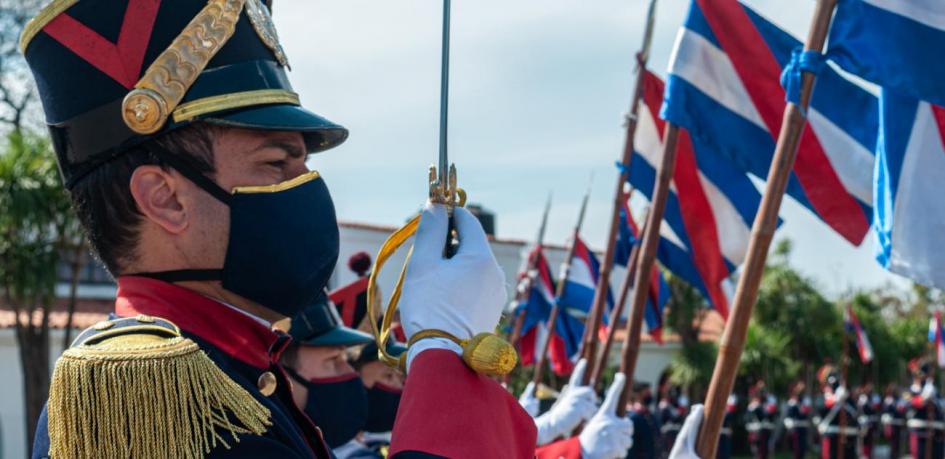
x=320 y=325
x=114 y=73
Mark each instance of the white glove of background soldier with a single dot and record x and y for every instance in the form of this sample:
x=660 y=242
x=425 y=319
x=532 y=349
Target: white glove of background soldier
x=528 y=401
x=607 y=436
x=685 y=446
x=463 y=295
x=575 y=405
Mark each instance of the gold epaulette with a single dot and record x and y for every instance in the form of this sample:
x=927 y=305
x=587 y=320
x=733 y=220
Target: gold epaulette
x=134 y=387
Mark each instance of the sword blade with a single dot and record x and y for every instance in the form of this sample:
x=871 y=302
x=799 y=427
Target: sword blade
x=444 y=162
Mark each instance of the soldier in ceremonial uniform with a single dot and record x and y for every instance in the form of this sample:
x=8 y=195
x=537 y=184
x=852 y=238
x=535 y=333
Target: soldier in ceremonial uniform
x=893 y=419
x=646 y=426
x=324 y=385
x=760 y=420
x=868 y=405
x=184 y=149
x=724 y=450
x=925 y=419
x=671 y=417
x=837 y=421
x=797 y=420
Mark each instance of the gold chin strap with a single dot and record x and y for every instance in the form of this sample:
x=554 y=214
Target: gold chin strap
x=485 y=353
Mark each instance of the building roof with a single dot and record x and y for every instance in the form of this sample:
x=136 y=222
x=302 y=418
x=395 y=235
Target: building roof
x=710 y=330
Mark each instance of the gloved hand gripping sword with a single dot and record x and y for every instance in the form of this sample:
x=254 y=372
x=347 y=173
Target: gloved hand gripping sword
x=485 y=352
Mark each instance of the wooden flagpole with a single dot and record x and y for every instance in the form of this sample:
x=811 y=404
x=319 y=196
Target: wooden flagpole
x=844 y=366
x=603 y=280
x=641 y=280
x=625 y=285
x=733 y=337
x=559 y=292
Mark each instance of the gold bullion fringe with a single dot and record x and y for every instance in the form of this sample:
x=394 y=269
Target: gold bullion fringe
x=171 y=401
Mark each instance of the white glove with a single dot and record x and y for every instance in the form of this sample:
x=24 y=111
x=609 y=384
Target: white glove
x=840 y=395
x=575 y=405
x=607 y=436
x=463 y=295
x=529 y=402
x=685 y=446
x=928 y=391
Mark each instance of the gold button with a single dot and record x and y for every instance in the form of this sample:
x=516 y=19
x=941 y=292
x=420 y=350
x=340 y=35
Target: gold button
x=103 y=325
x=267 y=383
x=145 y=319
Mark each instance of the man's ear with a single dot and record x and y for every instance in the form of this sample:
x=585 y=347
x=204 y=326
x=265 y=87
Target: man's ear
x=155 y=192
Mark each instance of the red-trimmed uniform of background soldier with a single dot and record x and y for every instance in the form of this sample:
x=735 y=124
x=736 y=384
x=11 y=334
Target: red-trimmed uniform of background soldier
x=724 y=450
x=760 y=418
x=797 y=419
x=869 y=405
x=672 y=409
x=893 y=419
x=924 y=418
x=831 y=426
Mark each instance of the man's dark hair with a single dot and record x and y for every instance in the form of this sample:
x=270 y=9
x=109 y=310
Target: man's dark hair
x=103 y=200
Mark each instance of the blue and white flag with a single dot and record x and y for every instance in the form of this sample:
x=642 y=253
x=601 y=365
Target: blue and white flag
x=724 y=88
x=897 y=44
x=910 y=189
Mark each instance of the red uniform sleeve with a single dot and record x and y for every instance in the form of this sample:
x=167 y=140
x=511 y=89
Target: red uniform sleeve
x=451 y=411
x=564 y=449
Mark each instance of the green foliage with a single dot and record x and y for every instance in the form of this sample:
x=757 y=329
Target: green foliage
x=34 y=218
x=767 y=355
x=692 y=366
x=791 y=306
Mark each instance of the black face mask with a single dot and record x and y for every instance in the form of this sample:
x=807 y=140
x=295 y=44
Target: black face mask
x=383 y=402
x=283 y=242
x=647 y=401
x=338 y=406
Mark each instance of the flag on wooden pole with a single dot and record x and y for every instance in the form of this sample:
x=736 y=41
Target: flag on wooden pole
x=709 y=209
x=724 y=89
x=863 y=346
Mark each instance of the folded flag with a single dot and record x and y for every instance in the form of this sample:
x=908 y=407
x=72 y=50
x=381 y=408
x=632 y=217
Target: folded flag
x=936 y=338
x=863 y=346
x=897 y=44
x=710 y=207
x=910 y=182
x=724 y=88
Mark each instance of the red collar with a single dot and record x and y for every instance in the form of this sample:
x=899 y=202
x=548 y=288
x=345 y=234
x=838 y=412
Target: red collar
x=227 y=329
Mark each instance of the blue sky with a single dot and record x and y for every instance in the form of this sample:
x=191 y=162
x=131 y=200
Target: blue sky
x=538 y=93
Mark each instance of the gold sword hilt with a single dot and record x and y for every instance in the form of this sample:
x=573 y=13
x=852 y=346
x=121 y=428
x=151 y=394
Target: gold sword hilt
x=445 y=191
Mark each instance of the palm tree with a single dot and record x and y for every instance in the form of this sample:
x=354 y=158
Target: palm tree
x=691 y=367
x=34 y=218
